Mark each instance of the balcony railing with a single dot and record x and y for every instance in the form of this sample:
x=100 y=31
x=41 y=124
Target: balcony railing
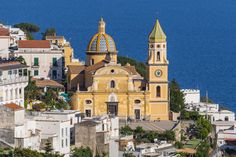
x=14 y=80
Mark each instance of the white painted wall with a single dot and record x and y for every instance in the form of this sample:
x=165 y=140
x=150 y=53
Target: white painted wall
x=12 y=87
x=191 y=95
x=4 y=45
x=57 y=129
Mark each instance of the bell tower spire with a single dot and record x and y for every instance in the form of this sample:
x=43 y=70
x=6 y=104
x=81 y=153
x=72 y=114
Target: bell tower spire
x=101 y=26
x=158 y=73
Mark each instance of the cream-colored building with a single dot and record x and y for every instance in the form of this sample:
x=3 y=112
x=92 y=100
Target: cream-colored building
x=44 y=59
x=104 y=86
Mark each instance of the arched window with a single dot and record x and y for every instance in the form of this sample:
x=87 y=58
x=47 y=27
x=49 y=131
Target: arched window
x=226 y=118
x=112 y=84
x=158 y=91
x=158 y=56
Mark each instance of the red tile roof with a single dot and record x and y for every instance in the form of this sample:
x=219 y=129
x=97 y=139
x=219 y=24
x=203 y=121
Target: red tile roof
x=13 y=106
x=34 y=44
x=4 y=32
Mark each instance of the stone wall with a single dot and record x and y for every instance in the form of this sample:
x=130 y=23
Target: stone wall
x=7 y=125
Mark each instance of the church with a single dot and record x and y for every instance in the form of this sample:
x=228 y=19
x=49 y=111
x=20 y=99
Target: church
x=103 y=86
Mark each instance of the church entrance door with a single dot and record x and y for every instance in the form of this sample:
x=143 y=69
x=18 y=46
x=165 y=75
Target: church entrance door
x=112 y=108
x=137 y=114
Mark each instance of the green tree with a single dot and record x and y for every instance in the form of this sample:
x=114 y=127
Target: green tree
x=178 y=145
x=21 y=60
x=205 y=99
x=31 y=91
x=48 y=147
x=23 y=152
x=126 y=130
x=48 y=32
x=176 y=97
x=139 y=66
x=82 y=152
x=151 y=135
x=203 y=149
x=203 y=128
x=128 y=155
x=28 y=28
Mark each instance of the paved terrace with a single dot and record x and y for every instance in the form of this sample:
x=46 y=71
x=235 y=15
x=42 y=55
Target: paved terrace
x=150 y=125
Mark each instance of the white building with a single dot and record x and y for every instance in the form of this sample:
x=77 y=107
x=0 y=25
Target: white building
x=56 y=131
x=74 y=116
x=100 y=133
x=16 y=34
x=45 y=60
x=15 y=130
x=4 y=42
x=13 y=80
x=191 y=96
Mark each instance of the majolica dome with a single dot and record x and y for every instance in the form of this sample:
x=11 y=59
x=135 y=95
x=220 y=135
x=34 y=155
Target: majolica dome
x=101 y=42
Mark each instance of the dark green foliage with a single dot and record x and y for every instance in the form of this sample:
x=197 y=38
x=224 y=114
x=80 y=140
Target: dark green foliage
x=176 y=97
x=178 y=145
x=52 y=101
x=82 y=152
x=140 y=67
x=128 y=155
x=18 y=152
x=21 y=60
x=23 y=152
x=48 y=32
x=167 y=135
x=126 y=130
x=31 y=91
x=189 y=115
x=203 y=128
x=205 y=99
x=28 y=28
x=48 y=147
x=203 y=149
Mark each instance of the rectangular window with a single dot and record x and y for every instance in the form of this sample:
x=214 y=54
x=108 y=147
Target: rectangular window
x=15 y=72
x=25 y=72
x=36 y=72
x=36 y=61
x=66 y=142
x=9 y=72
x=54 y=61
x=66 y=131
x=62 y=132
x=88 y=113
x=54 y=74
x=20 y=72
x=62 y=143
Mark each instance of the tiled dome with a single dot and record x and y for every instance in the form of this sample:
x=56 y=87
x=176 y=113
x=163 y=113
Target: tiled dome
x=101 y=42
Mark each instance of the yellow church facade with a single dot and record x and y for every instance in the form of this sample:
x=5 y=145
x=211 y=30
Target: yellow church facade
x=103 y=86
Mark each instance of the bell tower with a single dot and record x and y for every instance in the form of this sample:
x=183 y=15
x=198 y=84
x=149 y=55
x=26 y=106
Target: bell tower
x=158 y=74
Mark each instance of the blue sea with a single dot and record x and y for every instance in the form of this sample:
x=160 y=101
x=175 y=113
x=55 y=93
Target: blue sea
x=201 y=34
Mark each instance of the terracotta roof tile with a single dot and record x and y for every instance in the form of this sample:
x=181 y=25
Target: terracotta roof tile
x=131 y=69
x=4 y=32
x=13 y=106
x=96 y=66
x=47 y=83
x=76 y=69
x=6 y=65
x=34 y=44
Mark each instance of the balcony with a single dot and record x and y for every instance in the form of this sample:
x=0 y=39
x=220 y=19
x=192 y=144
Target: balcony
x=14 y=80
